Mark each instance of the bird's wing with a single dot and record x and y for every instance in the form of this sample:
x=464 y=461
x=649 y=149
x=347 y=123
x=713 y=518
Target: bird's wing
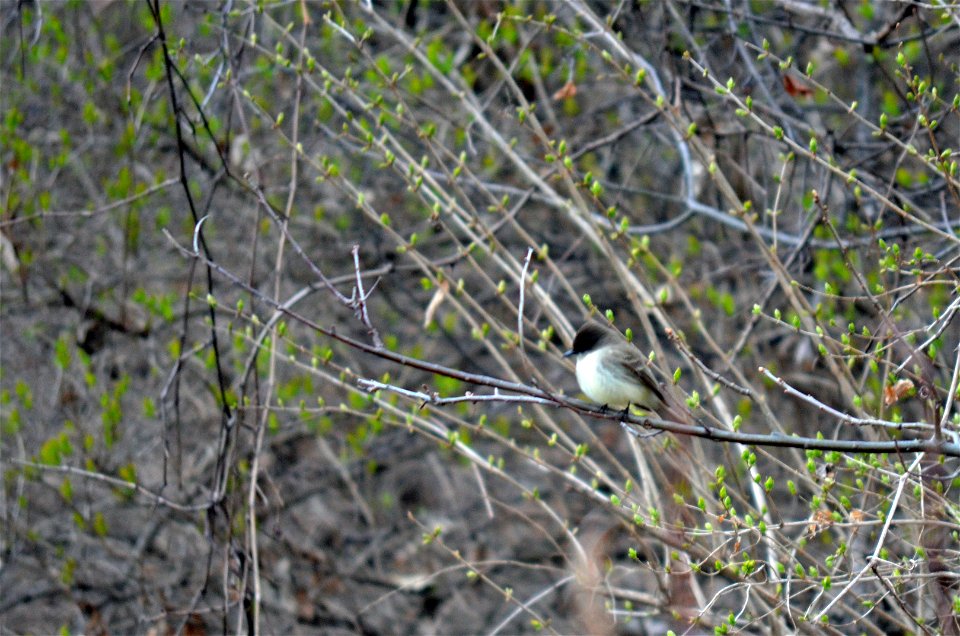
x=630 y=361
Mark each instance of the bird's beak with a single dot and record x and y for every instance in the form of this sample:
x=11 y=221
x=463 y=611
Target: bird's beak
x=567 y=354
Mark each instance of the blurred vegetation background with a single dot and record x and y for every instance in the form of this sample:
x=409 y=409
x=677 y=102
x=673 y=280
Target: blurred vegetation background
x=739 y=184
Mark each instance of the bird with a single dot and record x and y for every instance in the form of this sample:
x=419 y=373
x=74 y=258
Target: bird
x=611 y=372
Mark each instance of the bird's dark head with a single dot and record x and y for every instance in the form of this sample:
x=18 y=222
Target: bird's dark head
x=592 y=335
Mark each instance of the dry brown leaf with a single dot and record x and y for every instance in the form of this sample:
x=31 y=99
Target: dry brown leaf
x=567 y=91
x=794 y=88
x=442 y=290
x=8 y=255
x=895 y=393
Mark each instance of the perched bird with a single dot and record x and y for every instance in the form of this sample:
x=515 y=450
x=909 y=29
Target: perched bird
x=611 y=372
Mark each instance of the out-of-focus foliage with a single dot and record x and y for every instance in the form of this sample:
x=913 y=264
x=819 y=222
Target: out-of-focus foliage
x=741 y=184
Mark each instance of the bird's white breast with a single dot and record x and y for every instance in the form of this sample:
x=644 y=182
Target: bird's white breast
x=604 y=387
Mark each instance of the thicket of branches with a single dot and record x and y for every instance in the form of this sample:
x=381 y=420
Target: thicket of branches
x=286 y=285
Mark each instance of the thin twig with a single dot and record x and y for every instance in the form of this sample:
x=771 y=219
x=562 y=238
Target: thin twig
x=874 y=558
x=682 y=346
x=843 y=417
x=116 y=482
x=360 y=299
x=523 y=285
x=949 y=449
